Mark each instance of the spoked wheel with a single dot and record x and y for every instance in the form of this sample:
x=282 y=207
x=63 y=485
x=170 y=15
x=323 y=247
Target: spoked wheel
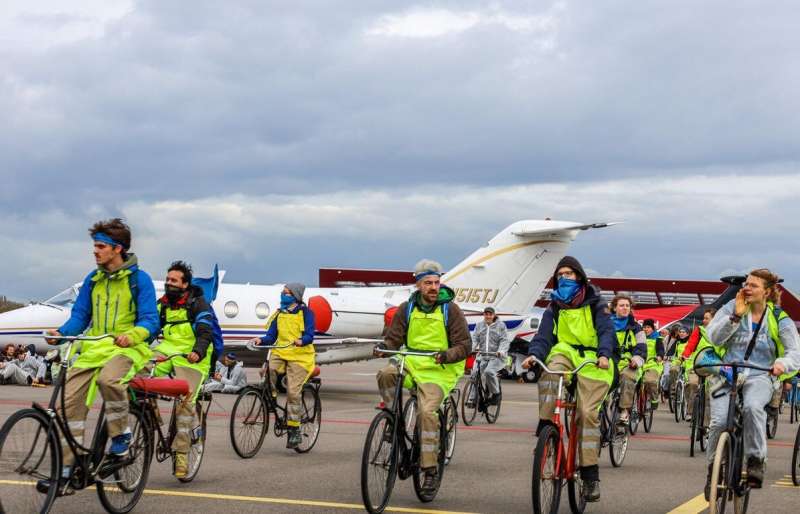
x=772 y=426
x=636 y=410
x=678 y=403
x=493 y=411
x=249 y=423
x=310 y=418
x=619 y=440
x=796 y=459
x=121 y=484
x=648 y=415
x=468 y=414
x=418 y=477
x=720 y=494
x=697 y=425
x=29 y=452
x=545 y=483
x=198 y=447
x=577 y=503
x=379 y=463
x=451 y=425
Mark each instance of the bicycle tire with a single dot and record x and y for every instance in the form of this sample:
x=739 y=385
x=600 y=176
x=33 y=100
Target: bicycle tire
x=772 y=426
x=30 y=424
x=468 y=414
x=128 y=481
x=720 y=470
x=492 y=412
x=648 y=417
x=198 y=445
x=695 y=432
x=796 y=459
x=633 y=420
x=311 y=418
x=386 y=456
x=451 y=420
x=543 y=477
x=678 y=402
x=618 y=446
x=418 y=477
x=254 y=419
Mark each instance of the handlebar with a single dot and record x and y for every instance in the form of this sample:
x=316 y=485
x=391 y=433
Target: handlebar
x=490 y=354
x=67 y=339
x=406 y=353
x=257 y=347
x=736 y=365
x=162 y=358
x=571 y=372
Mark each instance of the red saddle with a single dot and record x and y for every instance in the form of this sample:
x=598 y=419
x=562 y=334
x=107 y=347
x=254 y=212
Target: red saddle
x=163 y=386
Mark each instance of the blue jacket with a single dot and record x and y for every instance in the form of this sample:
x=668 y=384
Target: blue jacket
x=544 y=339
x=146 y=311
x=308 y=327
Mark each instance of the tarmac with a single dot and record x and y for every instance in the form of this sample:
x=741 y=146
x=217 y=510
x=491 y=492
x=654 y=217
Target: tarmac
x=490 y=471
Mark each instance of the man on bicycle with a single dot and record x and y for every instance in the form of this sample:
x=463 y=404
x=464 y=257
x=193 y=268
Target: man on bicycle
x=429 y=321
x=117 y=299
x=654 y=366
x=632 y=352
x=576 y=327
x=292 y=324
x=490 y=336
x=697 y=341
x=752 y=328
x=187 y=329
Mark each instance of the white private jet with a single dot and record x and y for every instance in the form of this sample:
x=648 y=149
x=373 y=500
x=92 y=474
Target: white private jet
x=508 y=273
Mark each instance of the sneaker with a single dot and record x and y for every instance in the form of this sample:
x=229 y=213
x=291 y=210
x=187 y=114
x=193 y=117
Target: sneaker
x=293 y=439
x=431 y=480
x=755 y=472
x=493 y=399
x=591 y=490
x=120 y=444
x=181 y=465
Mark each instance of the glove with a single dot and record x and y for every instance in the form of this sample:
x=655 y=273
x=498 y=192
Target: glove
x=727 y=373
x=377 y=351
x=441 y=357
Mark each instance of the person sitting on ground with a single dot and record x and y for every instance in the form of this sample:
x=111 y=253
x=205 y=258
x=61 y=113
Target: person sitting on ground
x=24 y=370
x=228 y=378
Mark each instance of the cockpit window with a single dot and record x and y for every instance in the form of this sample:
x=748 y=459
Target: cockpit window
x=65 y=298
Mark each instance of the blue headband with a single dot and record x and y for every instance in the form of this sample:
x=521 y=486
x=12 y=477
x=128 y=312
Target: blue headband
x=105 y=238
x=423 y=274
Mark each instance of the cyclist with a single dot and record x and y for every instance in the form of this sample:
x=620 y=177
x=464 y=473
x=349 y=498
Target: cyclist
x=576 y=327
x=752 y=327
x=118 y=299
x=676 y=352
x=292 y=324
x=490 y=336
x=632 y=349
x=654 y=367
x=697 y=341
x=428 y=321
x=187 y=329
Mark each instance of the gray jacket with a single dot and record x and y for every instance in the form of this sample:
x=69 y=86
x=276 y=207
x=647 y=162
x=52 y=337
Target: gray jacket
x=490 y=338
x=32 y=366
x=735 y=337
x=236 y=377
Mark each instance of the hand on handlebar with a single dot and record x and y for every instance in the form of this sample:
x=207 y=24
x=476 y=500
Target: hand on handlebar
x=193 y=357
x=441 y=357
x=54 y=340
x=377 y=350
x=778 y=369
x=602 y=362
x=122 y=341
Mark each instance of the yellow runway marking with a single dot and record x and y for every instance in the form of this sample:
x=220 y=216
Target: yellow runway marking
x=693 y=506
x=261 y=499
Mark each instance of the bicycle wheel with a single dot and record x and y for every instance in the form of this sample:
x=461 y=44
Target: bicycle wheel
x=619 y=440
x=249 y=423
x=310 y=419
x=121 y=482
x=648 y=415
x=696 y=425
x=451 y=420
x=740 y=503
x=796 y=459
x=29 y=452
x=545 y=482
x=633 y=421
x=198 y=447
x=468 y=413
x=493 y=411
x=793 y=407
x=720 y=492
x=379 y=463
x=577 y=503
x=428 y=495
x=772 y=426
x=678 y=402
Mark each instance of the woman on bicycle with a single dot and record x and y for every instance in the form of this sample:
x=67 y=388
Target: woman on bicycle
x=676 y=352
x=632 y=352
x=490 y=336
x=576 y=327
x=753 y=328
x=654 y=366
x=697 y=341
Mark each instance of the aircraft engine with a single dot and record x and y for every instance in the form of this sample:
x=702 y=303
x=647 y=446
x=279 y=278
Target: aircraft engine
x=323 y=314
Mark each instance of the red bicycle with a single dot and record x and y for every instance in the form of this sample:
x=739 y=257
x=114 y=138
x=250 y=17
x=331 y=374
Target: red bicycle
x=553 y=463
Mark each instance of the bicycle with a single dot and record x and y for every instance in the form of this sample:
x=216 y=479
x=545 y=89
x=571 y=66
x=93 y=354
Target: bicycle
x=30 y=451
x=772 y=420
x=450 y=412
x=728 y=475
x=552 y=462
x=796 y=459
x=793 y=399
x=642 y=409
x=393 y=446
x=172 y=390
x=476 y=393
x=249 y=420
x=699 y=431
x=613 y=433
x=677 y=399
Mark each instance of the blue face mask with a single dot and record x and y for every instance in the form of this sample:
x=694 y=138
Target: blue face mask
x=566 y=290
x=619 y=323
x=287 y=300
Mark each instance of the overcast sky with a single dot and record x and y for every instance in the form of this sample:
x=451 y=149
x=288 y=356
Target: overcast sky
x=276 y=138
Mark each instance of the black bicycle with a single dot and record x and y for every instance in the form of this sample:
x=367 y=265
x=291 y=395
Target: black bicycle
x=613 y=433
x=729 y=475
x=31 y=460
x=475 y=397
x=642 y=409
x=394 y=445
x=249 y=420
x=699 y=433
x=172 y=390
x=677 y=397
